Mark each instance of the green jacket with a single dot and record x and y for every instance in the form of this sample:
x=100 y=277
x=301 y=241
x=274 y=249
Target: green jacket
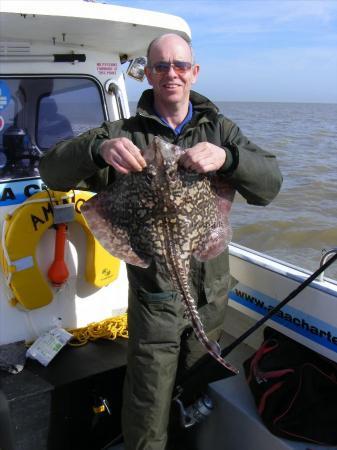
x=253 y=172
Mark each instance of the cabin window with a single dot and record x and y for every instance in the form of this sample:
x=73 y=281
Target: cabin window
x=68 y=112
x=36 y=113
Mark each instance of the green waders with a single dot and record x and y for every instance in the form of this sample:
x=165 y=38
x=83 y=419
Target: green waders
x=156 y=325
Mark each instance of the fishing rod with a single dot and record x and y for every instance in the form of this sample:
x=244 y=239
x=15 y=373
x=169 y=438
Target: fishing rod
x=208 y=370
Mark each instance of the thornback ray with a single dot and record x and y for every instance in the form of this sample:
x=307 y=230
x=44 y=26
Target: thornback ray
x=167 y=213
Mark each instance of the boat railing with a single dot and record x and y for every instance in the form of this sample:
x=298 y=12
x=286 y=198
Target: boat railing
x=327 y=254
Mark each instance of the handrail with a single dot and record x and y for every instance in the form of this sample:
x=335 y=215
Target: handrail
x=327 y=255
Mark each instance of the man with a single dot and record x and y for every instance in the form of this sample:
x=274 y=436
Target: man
x=159 y=334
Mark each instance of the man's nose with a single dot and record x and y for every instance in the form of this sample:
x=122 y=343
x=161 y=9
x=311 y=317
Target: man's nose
x=171 y=71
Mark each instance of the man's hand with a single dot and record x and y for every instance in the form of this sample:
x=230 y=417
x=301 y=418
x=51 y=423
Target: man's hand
x=203 y=157
x=122 y=155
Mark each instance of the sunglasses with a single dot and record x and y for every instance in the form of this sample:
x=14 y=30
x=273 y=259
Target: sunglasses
x=178 y=67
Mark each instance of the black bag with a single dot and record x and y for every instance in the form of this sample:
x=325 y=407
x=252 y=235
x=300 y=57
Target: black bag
x=295 y=390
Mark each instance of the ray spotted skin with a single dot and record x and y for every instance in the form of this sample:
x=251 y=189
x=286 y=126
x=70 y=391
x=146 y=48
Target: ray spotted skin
x=166 y=213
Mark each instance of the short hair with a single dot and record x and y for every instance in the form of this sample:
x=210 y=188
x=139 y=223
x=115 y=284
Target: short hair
x=186 y=39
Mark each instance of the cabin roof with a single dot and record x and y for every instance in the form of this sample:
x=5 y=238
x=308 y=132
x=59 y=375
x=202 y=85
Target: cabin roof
x=106 y=27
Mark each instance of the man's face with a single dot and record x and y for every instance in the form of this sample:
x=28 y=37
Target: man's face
x=172 y=87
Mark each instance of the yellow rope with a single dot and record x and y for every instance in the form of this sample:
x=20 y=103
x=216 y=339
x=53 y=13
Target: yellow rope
x=106 y=329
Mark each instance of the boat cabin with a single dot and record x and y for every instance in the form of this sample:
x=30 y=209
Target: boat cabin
x=62 y=72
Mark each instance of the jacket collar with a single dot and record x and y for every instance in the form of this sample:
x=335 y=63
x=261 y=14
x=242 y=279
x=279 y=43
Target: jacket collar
x=201 y=105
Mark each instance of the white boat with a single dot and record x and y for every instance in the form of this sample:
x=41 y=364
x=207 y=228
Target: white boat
x=65 y=62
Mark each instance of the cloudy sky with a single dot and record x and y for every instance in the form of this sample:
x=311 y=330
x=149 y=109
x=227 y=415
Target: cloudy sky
x=258 y=50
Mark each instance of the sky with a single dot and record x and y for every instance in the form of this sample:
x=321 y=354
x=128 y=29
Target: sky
x=265 y=50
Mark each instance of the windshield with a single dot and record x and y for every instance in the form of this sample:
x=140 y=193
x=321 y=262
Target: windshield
x=36 y=113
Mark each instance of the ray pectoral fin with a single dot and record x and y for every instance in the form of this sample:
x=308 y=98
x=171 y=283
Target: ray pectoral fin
x=130 y=257
x=117 y=242
x=223 y=190
x=214 y=242
x=114 y=238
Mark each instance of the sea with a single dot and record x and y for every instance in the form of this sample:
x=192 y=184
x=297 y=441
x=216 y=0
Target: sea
x=301 y=223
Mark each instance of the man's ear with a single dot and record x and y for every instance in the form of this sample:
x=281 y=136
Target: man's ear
x=148 y=74
x=195 y=72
